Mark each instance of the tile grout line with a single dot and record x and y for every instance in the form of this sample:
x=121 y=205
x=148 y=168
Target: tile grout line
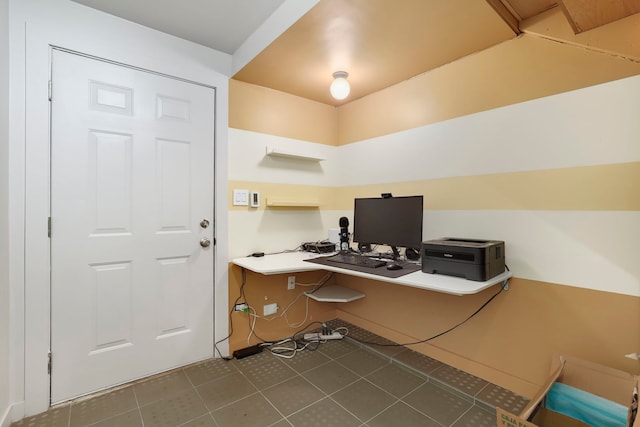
x=422 y=413
x=135 y=395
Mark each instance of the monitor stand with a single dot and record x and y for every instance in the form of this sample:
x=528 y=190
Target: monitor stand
x=396 y=253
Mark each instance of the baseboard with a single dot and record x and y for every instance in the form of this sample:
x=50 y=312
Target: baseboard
x=5 y=420
x=14 y=412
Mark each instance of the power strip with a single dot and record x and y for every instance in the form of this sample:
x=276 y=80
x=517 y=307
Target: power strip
x=316 y=336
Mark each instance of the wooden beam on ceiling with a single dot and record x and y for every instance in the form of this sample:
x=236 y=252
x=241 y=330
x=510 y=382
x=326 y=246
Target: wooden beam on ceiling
x=506 y=13
x=584 y=15
x=524 y=9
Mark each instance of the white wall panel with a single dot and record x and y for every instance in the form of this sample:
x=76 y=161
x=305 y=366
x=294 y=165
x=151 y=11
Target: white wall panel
x=173 y=175
x=111 y=288
x=6 y=368
x=174 y=281
x=248 y=160
x=588 y=249
x=110 y=181
x=592 y=126
x=275 y=230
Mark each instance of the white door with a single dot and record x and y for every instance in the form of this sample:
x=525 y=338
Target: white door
x=131 y=182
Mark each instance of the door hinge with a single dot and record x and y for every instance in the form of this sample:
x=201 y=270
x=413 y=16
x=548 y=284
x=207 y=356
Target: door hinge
x=49 y=227
x=50 y=90
x=49 y=358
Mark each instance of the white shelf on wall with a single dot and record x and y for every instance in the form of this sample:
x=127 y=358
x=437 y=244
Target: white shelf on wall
x=290 y=203
x=335 y=293
x=290 y=154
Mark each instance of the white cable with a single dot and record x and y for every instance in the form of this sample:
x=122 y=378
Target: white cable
x=293 y=350
x=319 y=282
x=253 y=313
x=253 y=324
x=344 y=328
x=303 y=321
x=286 y=309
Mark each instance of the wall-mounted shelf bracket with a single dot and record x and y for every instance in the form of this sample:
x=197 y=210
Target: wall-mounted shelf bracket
x=278 y=152
x=290 y=203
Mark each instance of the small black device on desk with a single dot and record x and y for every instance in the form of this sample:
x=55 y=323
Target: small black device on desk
x=319 y=247
x=478 y=260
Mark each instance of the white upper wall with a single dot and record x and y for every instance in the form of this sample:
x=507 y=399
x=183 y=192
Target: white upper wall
x=596 y=125
x=5 y=367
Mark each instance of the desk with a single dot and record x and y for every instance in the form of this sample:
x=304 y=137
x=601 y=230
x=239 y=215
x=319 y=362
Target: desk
x=292 y=262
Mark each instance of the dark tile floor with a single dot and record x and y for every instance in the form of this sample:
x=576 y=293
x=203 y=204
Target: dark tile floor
x=343 y=383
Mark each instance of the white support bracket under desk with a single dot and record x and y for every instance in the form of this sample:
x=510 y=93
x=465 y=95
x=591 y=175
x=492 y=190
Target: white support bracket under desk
x=335 y=293
x=292 y=262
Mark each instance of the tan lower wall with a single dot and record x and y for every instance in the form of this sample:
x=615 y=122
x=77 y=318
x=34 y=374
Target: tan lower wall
x=512 y=340
x=260 y=290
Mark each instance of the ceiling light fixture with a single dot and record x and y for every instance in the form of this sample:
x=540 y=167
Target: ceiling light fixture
x=340 y=87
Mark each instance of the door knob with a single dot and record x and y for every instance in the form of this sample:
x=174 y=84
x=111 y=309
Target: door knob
x=205 y=243
x=204 y=223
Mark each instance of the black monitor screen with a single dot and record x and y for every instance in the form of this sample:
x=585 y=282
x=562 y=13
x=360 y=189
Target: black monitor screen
x=393 y=221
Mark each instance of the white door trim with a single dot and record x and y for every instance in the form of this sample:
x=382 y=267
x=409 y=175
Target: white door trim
x=31 y=163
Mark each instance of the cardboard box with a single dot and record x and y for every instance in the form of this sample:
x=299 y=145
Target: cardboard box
x=542 y=418
x=611 y=384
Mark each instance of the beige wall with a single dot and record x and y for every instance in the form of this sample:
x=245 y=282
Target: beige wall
x=522 y=69
x=276 y=113
x=512 y=340
x=590 y=184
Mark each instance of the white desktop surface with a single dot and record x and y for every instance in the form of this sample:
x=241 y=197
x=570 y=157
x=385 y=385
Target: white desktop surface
x=291 y=262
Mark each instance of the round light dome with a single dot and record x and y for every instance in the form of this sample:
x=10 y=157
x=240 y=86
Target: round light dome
x=340 y=87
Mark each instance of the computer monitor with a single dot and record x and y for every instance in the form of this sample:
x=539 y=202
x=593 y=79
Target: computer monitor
x=392 y=221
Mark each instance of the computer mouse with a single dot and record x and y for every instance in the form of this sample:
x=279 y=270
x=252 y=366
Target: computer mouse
x=394 y=267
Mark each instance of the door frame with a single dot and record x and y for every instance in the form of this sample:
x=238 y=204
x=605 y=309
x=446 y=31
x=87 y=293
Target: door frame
x=32 y=164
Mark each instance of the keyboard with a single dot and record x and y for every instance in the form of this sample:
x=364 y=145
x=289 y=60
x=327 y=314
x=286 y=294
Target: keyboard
x=359 y=260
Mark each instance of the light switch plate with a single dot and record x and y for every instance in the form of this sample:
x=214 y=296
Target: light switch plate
x=240 y=197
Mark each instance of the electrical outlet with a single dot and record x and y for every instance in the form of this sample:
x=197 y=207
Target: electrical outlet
x=243 y=306
x=291 y=283
x=269 y=309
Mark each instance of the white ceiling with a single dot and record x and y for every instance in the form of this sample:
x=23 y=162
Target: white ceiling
x=223 y=25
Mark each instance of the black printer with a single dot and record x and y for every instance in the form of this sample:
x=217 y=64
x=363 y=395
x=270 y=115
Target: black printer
x=478 y=260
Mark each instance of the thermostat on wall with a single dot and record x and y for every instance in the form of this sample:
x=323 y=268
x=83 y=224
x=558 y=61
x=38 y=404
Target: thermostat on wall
x=255 y=199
